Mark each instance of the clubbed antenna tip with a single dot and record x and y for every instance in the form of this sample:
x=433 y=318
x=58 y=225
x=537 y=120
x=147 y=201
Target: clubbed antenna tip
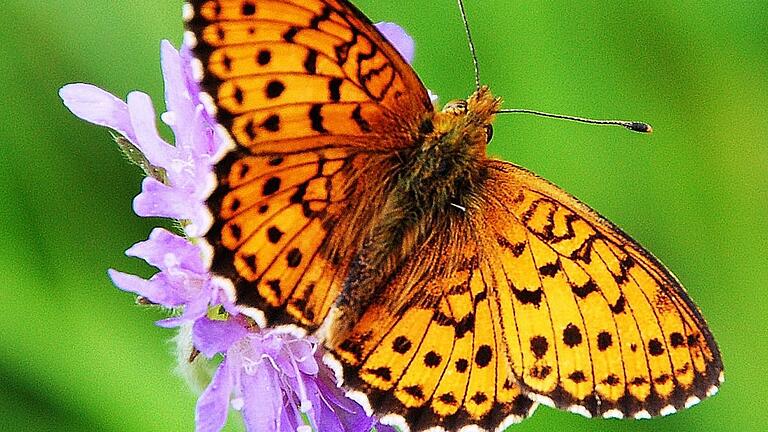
x=631 y=125
x=640 y=127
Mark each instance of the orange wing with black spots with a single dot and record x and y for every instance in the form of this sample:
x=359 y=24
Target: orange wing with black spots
x=294 y=75
x=501 y=292
x=310 y=92
x=274 y=231
x=538 y=299
x=431 y=352
x=594 y=324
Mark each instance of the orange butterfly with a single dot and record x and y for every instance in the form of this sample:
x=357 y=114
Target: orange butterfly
x=453 y=289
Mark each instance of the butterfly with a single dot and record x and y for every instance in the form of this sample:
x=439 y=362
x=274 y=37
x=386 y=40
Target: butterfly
x=450 y=288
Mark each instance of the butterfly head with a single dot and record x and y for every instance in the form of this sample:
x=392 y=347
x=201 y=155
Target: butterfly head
x=472 y=118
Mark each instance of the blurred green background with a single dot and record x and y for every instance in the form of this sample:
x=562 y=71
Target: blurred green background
x=77 y=354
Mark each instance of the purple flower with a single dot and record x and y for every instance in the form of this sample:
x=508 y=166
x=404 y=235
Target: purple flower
x=404 y=44
x=398 y=38
x=183 y=280
x=187 y=164
x=274 y=378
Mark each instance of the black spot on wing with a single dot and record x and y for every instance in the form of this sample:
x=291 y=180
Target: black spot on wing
x=401 y=345
x=264 y=57
x=479 y=397
x=290 y=34
x=655 y=347
x=584 y=290
x=539 y=346
x=577 y=377
x=432 y=359
x=274 y=89
x=676 y=340
x=383 y=372
x=551 y=269
x=540 y=372
x=334 y=89
x=362 y=123
x=310 y=63
x=316 y=118
x=271 y=186
x=274 y=286
x=274 y=234
x=619 y=306
x=415 y=390
x=236 y=231
x=526 y=297
x=272 y=123
x=572 y=335
x=604 y=340
x=517 y=249
x=294 y=258
x=465 y=325
x=248 y=8
x=250 y=261
x=483 y=356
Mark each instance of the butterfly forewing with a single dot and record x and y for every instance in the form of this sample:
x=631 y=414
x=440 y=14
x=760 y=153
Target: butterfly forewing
x=281 y=72
x=308 y=90
x=594 y=322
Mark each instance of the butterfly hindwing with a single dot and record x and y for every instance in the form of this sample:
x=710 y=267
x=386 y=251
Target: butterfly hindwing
x=539 y=298
x=429 y=352
x=595 y=324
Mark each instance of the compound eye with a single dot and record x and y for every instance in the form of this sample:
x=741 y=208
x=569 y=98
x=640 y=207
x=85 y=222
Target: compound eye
x=488 y=133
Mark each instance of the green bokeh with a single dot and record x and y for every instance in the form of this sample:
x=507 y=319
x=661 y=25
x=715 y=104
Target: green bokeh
x=77 y=354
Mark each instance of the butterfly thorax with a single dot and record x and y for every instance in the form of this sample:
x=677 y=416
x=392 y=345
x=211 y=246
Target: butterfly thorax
x=445 y=168
x=436 y=180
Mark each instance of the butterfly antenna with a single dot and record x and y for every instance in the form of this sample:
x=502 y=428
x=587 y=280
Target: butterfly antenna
x=471 y=44
x=634 y=126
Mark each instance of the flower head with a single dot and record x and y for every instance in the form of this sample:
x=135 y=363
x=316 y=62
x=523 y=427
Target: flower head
x=183 y=280
x=275 y=379
x=187 y=164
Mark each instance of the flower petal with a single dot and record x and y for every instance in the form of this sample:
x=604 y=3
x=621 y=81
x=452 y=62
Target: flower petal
x=194 y=308
x=157 y=151
x=337 y=408
x=200 y=221
x=166 y=250
x=262 y=401
x=156 y=291
x=187 y=58
x=399 y=38
x=159 y=200
x=177 y=97
x=99 y=107
x=212 y=337
x=213 y=405
x=303 y=351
